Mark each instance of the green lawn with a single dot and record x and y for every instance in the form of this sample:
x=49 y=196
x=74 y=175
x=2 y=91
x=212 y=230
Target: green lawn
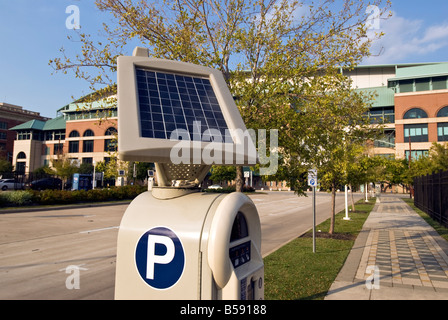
x=294 y=272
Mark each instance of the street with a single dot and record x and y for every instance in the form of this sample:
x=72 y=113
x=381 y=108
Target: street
x=41 y=251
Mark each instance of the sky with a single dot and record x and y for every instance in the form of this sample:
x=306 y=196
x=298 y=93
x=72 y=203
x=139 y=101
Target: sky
x=33 y=31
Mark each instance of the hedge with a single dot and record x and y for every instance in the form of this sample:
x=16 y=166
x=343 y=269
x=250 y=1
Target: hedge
x=48 y=197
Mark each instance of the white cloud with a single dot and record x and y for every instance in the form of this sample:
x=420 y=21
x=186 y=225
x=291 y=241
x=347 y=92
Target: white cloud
x=406 y=39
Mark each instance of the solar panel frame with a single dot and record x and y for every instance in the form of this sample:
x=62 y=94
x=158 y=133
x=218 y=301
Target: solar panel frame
x=155 y=100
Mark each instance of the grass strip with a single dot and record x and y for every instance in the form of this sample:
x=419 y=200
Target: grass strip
x=441 y=230
x=294 y=272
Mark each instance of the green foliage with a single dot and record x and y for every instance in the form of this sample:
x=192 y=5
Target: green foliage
x=5 y=166
x=15 y=198
x=51 y=197
x=222 y=173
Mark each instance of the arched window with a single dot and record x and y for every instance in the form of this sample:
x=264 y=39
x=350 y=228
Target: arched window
x=415 y=113
x=111 y=132
x=443 y=113
x=21 y=156
x=74 y=134
x=88 y=133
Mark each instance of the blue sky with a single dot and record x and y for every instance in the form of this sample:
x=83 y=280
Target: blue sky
x=33 y=31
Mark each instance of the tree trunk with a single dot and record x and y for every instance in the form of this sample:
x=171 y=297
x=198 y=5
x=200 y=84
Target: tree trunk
x=333 y=208
x=239 y=181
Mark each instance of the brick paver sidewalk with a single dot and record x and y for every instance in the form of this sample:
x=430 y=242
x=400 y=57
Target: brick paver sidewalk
x=409 y=256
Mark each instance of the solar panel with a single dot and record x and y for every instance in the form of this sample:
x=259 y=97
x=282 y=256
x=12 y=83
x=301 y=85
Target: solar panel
x=169 y=102
x=171 y=111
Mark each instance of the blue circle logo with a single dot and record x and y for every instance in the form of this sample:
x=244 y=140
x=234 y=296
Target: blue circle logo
x=160 y=258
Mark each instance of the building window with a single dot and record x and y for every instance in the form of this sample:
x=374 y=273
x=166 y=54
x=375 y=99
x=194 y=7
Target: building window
x=87 y=160
x=417 y=132
x=439 y=83
x=415 y=113
x=416 y=154
x=406 y=86
x=443 y=113
x=73 y=146
x=381 y=115
x=58 y=148
x=422 y=84
x=87 y=146
x=2 y=135
x=111 y=132
x=21 y=156
x=48 y=136
x=88 y=133
x=3 y=125
x=110 y=145
x=442 y=131
x=24 y=135
x=387 y=140
x=38 y=135
x=74 y=134
x=59 y=135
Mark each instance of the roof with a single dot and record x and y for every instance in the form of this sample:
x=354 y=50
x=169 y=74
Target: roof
x=55 y=124
x=385 y=96
x=32 y=124
x=52 y=124
x=424 y=71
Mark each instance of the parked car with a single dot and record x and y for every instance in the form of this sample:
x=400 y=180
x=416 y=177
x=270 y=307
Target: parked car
x=46 y=183
x=215 y=186
x=10 y=184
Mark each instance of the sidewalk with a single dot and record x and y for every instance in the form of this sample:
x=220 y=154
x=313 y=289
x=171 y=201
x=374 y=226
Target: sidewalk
x=410 y=258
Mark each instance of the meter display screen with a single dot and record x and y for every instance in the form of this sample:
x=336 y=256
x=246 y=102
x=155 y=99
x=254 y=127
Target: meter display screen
x=240 y=254
x=239 y=228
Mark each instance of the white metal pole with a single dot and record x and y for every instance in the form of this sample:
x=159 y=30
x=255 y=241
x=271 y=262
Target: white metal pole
x=94 y=181
x=314 y=219
x=346 y=204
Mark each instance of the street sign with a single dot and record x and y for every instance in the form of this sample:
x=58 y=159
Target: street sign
x=312 y=182
x=312 y=178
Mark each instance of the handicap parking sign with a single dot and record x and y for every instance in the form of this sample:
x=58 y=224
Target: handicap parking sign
x=312 y=178
x=160 y=258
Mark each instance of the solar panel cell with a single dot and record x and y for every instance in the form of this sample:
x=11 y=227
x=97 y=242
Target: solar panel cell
x=168 y=102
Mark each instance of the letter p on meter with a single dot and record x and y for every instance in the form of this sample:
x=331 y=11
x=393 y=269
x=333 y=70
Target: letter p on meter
x=153 y=258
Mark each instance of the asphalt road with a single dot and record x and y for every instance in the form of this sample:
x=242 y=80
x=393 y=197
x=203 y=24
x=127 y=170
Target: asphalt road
x=40 y=252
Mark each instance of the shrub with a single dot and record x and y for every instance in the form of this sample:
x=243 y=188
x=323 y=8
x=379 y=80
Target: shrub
x=48 y=197
x=15 y=198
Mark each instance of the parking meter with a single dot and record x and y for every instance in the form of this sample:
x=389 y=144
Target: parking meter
x=176 y=242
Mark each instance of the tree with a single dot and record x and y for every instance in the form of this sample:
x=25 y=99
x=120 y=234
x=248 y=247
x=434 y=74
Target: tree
x=5 y=167
x=273 y=54
x=222 y=173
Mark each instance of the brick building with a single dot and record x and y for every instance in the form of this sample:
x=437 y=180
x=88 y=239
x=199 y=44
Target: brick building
x=83 y=135
x=10 y=116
